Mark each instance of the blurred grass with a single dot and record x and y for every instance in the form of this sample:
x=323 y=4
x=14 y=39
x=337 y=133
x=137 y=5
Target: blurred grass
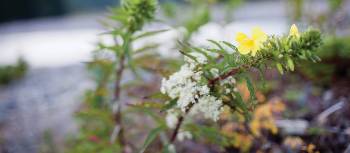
x=13 y=72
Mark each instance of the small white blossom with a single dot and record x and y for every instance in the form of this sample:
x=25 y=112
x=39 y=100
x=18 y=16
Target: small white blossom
x=171 y=118
x=208 y=105
x=214 y=72
x=228 y=80
x=183 y=135
x=200 y=58
x=171 y=148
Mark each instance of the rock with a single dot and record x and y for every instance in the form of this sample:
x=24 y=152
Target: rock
x=292 y=127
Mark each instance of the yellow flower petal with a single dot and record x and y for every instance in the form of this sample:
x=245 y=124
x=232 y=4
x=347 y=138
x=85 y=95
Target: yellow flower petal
x=246 y=46
x=243 y=49
x=251 y=45
x=241 y=37
x=259 y=35
x=294 y=31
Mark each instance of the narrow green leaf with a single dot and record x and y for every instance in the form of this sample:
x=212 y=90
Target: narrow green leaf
x=146 y=48
x=230 y=45
x=149 y=104
x=158 y=95
x=250 y=87
x=149 y=33
x=290 y=63
x=151 y=137
x=188 y=55
x=216 y=44
x=242 y=105
x=279 y=68
x=261 y=76
x=169 y=105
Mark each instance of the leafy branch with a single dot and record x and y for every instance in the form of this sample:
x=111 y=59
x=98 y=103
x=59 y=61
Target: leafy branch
x=225 y=58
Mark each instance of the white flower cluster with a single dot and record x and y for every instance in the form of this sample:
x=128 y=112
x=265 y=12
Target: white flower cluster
x=185 y=85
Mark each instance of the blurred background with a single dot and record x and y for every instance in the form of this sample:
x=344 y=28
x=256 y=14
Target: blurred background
x=45 y=43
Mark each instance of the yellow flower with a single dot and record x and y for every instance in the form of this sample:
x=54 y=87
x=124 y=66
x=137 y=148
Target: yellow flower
x=294 y=31
x=251 y=45
x=263 y=117
x=293 y=142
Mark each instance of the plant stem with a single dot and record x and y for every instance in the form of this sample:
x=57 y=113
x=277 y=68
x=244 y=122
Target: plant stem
x=117 y=113
x=176 y=130
x=179 y=123
x=119 y=74
x=211 y=82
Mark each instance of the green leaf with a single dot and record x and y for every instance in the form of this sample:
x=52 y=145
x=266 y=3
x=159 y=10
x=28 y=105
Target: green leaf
x=290 y=63
x=188 y=55
x=149 y=104
x=261 y=76
x=149 y=47
x=169 y=9
x=216 y=44
x=211 y=133
x=230 y=45
x=151 y=137
x=158 y=95
x=156 y=117
x=112 y=32
x=242 y=105
x=169 y=105
x=149 y=33
x=250 y=87
x=279 y=68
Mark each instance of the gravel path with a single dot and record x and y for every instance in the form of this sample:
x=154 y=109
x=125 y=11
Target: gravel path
x=44 y=100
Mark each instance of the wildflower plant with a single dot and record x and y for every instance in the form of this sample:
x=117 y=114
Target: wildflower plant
x=110 y=62
x=207 y=82
x=130 y=18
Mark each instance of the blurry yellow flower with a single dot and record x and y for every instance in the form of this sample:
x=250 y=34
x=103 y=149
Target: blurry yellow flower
x=242 y=141
x=294 y=31
x=293 y=142
x=251 y=45
x=277 y=106
x=310 y=148
x=263 y=117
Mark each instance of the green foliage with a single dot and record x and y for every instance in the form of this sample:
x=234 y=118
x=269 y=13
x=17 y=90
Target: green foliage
x=335 y=4
x=201 y=16
x=335 y=47
x=13 y=72
x=280 y=52
x=151 y=136
x=101 y=71
x=96 y=119
x=335 y=54
x=169 y=9
x=297 y=9
x=95 y=125
x=210 y=133
x=133 y=14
